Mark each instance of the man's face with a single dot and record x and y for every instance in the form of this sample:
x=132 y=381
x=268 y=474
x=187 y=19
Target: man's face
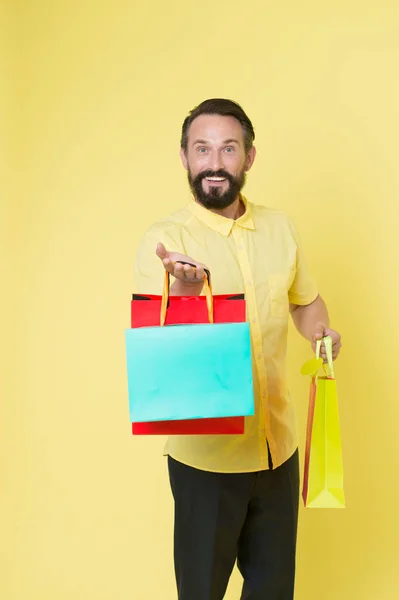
x=216 y=160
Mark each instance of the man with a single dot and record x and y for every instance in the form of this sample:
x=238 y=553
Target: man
x=236 y=497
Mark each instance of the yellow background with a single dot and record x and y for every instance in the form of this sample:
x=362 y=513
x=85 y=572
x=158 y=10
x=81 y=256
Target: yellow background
x=96 y=94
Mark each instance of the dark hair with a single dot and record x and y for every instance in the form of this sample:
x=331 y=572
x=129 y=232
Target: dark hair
x=225 y=108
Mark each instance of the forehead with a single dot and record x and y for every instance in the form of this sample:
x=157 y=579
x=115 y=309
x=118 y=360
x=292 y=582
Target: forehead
x=215 y=128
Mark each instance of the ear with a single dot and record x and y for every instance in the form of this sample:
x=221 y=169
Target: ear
x=184 y=158
x=250 y=158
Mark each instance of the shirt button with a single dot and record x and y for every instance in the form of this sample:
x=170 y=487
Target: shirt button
x=254 y=320
x=260 y=355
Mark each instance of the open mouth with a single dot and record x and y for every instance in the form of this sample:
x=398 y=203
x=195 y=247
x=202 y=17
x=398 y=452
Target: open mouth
x=215 y=179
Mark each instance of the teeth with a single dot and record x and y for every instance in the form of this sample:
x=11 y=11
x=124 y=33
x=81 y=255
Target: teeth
x=215 y=178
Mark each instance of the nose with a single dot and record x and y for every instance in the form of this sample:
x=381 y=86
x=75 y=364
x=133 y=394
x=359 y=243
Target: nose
x=216 y=161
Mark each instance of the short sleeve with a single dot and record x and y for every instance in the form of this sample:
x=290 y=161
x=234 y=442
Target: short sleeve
x=148 y=268
x=303 y=289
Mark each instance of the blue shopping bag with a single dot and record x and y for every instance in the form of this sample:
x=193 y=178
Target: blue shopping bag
x=189 y=371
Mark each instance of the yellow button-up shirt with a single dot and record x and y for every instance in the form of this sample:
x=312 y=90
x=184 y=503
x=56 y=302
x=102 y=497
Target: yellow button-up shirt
x=258 y=254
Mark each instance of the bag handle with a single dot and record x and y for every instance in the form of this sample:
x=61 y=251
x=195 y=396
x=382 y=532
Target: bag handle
x=328 y=344
x=312 y=366
x=166 y=289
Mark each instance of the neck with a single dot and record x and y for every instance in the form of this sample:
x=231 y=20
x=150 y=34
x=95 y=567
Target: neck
x=234 y=211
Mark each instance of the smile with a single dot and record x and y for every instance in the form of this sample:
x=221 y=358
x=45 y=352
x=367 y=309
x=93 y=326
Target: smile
x=217 y=179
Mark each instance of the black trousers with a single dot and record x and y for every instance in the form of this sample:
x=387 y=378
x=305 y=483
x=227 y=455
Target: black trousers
x=224 y=517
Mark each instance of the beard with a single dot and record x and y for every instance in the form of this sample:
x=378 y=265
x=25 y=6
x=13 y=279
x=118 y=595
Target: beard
x=216 y=198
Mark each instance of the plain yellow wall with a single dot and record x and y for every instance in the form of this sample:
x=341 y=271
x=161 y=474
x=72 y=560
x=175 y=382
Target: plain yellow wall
x=101 y=89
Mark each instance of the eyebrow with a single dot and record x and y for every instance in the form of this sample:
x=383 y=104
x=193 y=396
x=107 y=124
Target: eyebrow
x=229 y=141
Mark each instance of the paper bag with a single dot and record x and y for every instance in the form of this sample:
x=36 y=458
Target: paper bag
x=189 y=364
x=323 y=470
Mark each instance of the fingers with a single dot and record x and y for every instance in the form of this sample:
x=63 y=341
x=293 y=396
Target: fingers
x=323 y=353
x=161 y=251
x=169 y=265
x=335 y=349
x=178 y=270
x=196 y=273
x=319 y=332
x=336 y=342
x=188 y=273
x=183 y=272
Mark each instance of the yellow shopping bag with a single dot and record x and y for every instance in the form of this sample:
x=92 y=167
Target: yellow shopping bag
x=323 y=472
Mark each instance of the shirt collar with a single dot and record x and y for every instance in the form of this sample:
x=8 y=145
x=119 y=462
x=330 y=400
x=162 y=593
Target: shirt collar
x=222 y=224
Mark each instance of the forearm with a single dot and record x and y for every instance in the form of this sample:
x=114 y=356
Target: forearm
x=306 y=318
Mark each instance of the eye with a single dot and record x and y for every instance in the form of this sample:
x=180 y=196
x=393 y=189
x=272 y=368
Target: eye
x=201 y=149
x=229 y=149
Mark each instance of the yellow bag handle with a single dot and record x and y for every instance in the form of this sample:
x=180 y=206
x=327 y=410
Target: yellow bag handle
x=312 y=366
x=166 y=288
x=328 y=344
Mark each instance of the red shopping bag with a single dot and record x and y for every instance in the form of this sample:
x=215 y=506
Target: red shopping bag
x=151 y=310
